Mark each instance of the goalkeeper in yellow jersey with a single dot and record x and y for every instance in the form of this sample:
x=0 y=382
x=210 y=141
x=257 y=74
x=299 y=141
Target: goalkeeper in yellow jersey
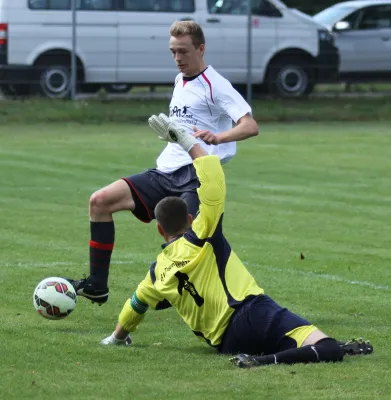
x=199 y=275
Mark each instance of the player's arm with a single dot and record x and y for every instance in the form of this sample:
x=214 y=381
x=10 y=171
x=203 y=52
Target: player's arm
x=231 y=103
x=211 y=192
x=245 y=128
x=134 y=310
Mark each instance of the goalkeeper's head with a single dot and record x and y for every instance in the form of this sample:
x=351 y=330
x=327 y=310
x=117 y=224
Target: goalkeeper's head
x=173 y=218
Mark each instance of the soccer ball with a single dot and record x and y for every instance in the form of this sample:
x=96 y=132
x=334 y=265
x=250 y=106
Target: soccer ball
x=54 y=298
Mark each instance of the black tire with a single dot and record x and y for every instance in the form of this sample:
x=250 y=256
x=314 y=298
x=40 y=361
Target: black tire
x=53 y=78
x=118 y=88
x=290 y=78
x=15 y=90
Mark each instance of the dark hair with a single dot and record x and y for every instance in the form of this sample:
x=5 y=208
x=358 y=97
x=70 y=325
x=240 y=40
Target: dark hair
x=173 y=215
x=191 y=28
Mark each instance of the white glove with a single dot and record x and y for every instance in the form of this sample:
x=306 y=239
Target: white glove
x=112 y=340
x=170 y=132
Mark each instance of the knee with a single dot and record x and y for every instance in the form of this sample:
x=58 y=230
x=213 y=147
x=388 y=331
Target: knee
x=99 y=201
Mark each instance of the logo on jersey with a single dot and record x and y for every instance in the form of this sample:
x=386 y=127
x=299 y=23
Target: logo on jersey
x=179 y=112
x=177 y=264
x=183 y=115
x=185 y=284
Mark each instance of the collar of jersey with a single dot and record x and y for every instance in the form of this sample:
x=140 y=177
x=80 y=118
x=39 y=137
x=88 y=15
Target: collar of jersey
x=171 y=241
x=191 y=78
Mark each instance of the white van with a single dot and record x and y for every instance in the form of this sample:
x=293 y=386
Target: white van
x=126 y=42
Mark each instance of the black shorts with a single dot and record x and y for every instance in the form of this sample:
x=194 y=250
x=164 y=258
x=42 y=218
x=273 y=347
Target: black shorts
x=151 y=186
x=260 y=326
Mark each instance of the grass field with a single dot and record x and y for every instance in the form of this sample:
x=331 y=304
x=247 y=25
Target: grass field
x=318 y=189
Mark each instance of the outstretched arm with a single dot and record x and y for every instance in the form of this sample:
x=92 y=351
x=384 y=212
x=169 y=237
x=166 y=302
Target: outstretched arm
x=209 y=172
x=134 y=310
x=211 y=194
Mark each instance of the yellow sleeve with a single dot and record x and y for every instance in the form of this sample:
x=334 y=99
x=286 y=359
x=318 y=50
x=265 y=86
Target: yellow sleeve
x=144 y=297
x=148 y=296
x=211 y=194
x=128 y=318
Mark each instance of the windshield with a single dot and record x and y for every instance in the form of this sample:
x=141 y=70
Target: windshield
x=332 y=15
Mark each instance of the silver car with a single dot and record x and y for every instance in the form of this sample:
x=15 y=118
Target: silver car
x=362 y=31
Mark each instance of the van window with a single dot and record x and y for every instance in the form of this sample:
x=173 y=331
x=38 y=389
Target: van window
x=38 y=4
x=235 y=7
x=159 y=5
x=94 y=5
x=59 y=4
x=239 y=7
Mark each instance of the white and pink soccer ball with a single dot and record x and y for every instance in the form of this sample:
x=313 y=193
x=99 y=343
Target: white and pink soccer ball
x=54 y=298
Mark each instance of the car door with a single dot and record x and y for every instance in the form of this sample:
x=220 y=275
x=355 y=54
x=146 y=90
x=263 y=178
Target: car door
x=366 y=46
x=232 y=18
x=144 y=55
x=97 y=25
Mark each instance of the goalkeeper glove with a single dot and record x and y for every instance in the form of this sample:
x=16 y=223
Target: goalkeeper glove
x=171 y=132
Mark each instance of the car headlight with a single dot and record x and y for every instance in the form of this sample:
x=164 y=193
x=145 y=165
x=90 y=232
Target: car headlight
x=325 y=36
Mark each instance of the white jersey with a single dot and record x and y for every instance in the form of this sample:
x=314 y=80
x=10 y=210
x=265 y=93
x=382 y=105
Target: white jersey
x=209 y=102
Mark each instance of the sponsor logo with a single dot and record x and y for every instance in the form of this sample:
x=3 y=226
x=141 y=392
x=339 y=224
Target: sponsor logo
x=183 y=115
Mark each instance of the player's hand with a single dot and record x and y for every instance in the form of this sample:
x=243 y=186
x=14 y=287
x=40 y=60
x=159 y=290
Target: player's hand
x=160 y=125
x=207 y=136
x=166 y=130
x=117 y=342
x=170 y=132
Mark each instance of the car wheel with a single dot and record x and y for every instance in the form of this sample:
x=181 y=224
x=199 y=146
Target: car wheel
x=289 y=78
x=53 y=80
x=118 y=87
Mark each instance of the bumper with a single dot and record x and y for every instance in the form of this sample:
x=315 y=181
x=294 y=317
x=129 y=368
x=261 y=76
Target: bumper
x=14 y=74
x=327 y=62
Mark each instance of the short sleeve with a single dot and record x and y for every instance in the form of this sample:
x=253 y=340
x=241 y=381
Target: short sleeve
x=231 y=102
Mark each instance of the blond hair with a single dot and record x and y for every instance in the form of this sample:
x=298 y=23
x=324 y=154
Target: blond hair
x=191 y=28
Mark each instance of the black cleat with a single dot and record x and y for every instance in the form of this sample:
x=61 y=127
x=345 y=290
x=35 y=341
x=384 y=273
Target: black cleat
x=244 y=361
x=356 y=347
x=84 y=288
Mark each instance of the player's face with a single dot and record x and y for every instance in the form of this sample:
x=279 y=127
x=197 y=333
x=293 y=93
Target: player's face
x=187 y=57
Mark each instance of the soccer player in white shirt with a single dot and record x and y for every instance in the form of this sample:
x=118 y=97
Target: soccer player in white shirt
x=203 y=103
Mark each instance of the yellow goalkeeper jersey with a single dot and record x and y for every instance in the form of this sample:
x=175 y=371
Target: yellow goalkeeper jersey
x=198 y=273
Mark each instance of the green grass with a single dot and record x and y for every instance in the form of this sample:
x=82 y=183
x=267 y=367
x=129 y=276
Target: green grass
x=319 y=189
x=100 y=111
x=374 y=87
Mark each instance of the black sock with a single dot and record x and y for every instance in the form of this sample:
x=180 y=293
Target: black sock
x=101 y=247
x=326 y=350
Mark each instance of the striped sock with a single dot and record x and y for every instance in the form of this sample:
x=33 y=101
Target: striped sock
x=101 y=247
